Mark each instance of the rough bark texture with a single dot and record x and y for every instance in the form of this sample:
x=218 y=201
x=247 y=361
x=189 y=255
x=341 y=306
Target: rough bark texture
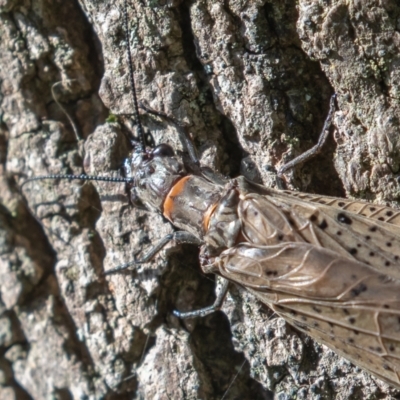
x=252 y=81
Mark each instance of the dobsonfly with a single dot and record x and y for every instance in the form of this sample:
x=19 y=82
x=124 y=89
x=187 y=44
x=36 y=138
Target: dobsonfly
x=327 y=265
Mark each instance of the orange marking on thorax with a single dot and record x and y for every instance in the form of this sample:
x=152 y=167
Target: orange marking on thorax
x=207 y=216
x=176 y=190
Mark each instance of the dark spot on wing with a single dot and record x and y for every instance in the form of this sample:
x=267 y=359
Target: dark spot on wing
x=389 y=213
x=373 y=229
x=323 y=224
x=372 y=209
x=316 y=309
x=341 y=204
x=386 y=306
x=384 y=279
x=344 y=219
x=313 y=218
x=377 y=349
x=353 y=252
x=301 y=326
x=338 y=233
x=356 y=291
x=367 y=237
x=352 y=320
x=280 y=237
x=350 y=340
x=387 y=264
x=371 y=254
x=389 y=244
x=391 y=347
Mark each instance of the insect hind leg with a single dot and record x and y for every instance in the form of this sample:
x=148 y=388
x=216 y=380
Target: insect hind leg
x=316 y=149
x=202 y=312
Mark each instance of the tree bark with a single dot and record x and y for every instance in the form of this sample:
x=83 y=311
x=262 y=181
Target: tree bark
x=252 y=82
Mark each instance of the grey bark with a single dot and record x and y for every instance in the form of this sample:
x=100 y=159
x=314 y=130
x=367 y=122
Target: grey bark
x=252 y=81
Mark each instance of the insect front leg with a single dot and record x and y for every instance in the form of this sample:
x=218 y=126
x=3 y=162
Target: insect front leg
x=179 y=237
x=208 y=173
x=184 y=137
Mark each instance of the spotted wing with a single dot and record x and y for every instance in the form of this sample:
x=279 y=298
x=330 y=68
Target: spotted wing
x=349 y=234
x=373 y=212
x=345 y=304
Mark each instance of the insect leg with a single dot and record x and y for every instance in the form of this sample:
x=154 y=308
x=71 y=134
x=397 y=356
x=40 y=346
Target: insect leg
x=212 y=176
x=202 y=312
x=191 y=149
x=311 y=152
x=179 y=237
x=62 y=108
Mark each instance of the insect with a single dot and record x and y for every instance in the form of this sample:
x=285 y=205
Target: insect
x=284 y=197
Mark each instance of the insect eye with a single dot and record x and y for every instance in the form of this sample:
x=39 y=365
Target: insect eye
x=163 y=150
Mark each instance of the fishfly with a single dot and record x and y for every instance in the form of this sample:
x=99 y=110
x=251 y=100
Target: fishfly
x=328 y=266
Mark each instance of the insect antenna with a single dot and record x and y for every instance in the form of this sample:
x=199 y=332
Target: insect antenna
x=82 y=177
x=136 y=116
x=142 y=139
